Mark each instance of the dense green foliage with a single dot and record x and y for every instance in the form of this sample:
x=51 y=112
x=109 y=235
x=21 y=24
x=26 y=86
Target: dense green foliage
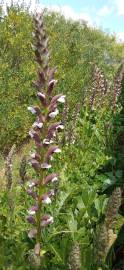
x=16 y=73
x=91 y=163
x=75 y=48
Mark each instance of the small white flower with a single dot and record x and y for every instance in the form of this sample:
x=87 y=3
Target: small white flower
x=53 y=82
x=47 y=221
x=36 y=124
x=31 y=134
x=40 y=94
x=60 y=126
x=57 y=150
x=53 y=114
x=47 y=200
x=31 y=109
x=54 y=134
x=31 y=184
x=46 y=166
x=55 y=179
x=33 y=155
x=45 y=141
x=31 y=212
x=61 y=99
x=50 y=220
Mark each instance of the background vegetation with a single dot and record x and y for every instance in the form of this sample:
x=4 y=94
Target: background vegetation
x=88 y=210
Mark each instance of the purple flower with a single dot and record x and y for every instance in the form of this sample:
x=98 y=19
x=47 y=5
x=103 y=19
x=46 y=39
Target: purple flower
x=37 y=125
x=51 y=85
x=51 y=151
x=31 y=220
x=41 y=95
x=32 y=211
x=46 y=166
x=53 y=177
x=42 y=98
x=35 y=156
x=31 y=193
x=35 y=164
x=54 y=113
x=46 y=199
x=46 y=220
x=32 y=183
x=43 y=134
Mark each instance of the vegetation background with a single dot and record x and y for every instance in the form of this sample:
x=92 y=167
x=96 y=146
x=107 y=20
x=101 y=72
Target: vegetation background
x=91 y=165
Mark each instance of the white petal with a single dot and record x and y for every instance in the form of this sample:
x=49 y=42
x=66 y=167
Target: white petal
x=60 y=126
x=47 y=221
x=58 y=150
x=40 y=94
x=31 y=109
x=55 y=179
x=31 y=212
x=53 y=114
x=47 y=200
x=61 y=99
x=54 y=134
x=50 y=219
x=53 y=81
x=45 y=141
x=36 y=124
x=33 y=155
x=31 y=184
x=31 y=134
x=40 y=125
x=46 y=166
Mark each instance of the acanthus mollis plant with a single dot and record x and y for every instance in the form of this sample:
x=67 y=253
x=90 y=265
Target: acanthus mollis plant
x=8 y=168
x=116 y=91
x=71 y=134
x=98 y=90
x=43 y=132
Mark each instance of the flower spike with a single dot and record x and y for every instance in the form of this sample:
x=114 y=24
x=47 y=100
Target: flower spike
x=43 y=132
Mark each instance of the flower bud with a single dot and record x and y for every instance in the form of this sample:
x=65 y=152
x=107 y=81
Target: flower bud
x=31 y=220
x=32 y=233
